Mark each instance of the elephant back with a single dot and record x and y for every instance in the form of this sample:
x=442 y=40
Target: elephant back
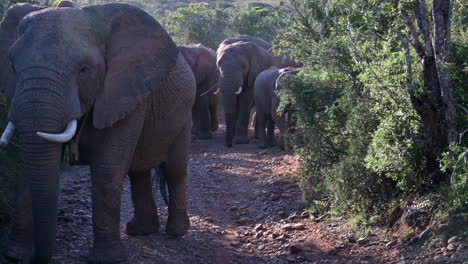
x=246 y=38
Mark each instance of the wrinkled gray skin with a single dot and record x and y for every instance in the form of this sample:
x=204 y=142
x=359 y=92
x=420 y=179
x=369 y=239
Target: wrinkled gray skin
x=266 y=105
x=202 y=61
x=239 y=64
x=116 y=65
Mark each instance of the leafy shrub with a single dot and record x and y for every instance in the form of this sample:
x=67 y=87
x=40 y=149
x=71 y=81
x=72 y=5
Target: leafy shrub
x=10 y=166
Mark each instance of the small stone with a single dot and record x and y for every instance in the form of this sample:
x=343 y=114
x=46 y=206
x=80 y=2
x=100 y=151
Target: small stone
x=275 y=235
x=287 y=227
x=298 y=226
x=235 y=243
x=391 y=243
x=258 y=235
x=305 y=214
x=241 y=221
x=259 y=227
x=451 y=247
x=453 y=239
x=362 y=241
x=275 y=197
x=261 y=247
x=294 y=249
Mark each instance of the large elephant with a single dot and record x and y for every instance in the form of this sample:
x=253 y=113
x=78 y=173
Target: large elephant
x=109 y=78
x=266 y=104
x=239 y=64
x=202 y=61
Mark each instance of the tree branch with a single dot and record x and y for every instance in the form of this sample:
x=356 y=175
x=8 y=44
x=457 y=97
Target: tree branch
x=421 y=19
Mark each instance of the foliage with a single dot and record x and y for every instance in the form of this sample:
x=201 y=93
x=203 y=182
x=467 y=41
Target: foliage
x=10 y=166
x=455 y=161
x=197 y=23
x=208 y=24
x=364 y=141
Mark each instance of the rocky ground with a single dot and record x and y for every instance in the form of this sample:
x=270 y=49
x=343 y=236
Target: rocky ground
x=245 y=207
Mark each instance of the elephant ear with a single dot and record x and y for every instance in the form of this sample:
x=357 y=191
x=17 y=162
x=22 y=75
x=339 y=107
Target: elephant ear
x=8 y=35
x=139 y=54
x=260 y=60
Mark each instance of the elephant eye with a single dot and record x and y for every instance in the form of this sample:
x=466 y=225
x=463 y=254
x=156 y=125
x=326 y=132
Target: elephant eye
x=84 y=69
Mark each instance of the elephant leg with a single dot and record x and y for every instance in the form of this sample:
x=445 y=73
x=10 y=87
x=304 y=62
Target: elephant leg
x=270 y=138
x=242 y=127
x=261 y=124
x=195 y=119
x=204 y=122
x=175 y=172
x=20 y=243
x=111 y=158
x=145 y=216
x=214 y=112
x=282 y=123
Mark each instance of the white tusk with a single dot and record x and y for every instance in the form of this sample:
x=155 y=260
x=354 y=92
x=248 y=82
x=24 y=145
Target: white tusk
x=239 y=91
x=217 y=91
x=7 y=134
x=278 y=78
x=63 y=137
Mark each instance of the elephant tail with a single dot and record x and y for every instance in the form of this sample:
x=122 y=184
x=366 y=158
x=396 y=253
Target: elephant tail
x=161 y=182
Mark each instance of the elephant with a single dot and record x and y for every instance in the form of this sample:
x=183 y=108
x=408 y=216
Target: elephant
x=267 y=101
x=202 y=61
x=246 y=38
x=239 y=63
x=112 y=79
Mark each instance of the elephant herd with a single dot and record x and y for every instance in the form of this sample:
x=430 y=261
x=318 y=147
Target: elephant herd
x=245 y=71
x=108 y=81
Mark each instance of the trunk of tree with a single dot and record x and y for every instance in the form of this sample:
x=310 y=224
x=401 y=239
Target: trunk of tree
x=436 y=106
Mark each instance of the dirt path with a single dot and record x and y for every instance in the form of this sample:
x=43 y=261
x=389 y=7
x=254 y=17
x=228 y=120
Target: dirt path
x=244 y=206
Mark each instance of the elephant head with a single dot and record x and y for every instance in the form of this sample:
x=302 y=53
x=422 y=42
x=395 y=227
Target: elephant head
x=202 y=61
x=101 y=61
x=239 y=64
x=246 y=38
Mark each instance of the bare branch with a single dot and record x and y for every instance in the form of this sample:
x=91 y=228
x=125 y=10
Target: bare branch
x=414 y=35
x=462 y=108
x=421 y=18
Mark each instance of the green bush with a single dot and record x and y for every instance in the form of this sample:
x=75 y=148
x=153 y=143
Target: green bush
x=363 y=139
x=10 y=167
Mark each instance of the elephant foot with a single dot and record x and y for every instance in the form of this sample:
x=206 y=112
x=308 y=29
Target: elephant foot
x=271 y=142
x=178 y=223
x=229 y=143
x=205 y=135
x=136 y=228
x=107 y=254
x=241 y=140
x=17 y=253
x=263 y=146
x=214 y=127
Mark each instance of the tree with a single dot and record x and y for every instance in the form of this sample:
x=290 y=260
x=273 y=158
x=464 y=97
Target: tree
x=435 y=105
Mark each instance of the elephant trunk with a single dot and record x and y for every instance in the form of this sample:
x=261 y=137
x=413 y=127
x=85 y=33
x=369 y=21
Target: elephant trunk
x=230 y=102
x=39 y=106
x=41 y=169
x=230 y=85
